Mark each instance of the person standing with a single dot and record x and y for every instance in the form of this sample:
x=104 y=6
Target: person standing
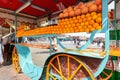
x=1 y=53
x=54 y=44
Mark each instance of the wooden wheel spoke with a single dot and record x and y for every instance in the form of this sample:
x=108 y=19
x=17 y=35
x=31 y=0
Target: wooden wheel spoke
x=52 y=76
x=57 y=70
x=73 y=74
x=105 y=73
x=65 y=65
x=100 y=77
x=58 y=61
x=68 y=61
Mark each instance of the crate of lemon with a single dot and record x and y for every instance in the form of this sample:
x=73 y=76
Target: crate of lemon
x=81 y=18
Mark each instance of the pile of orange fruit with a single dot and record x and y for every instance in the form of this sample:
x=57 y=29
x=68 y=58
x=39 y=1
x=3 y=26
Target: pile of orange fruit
x=21 y=27
x=85 y=22
x=82 y=8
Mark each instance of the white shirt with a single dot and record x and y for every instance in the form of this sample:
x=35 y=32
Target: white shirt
x=1 y=55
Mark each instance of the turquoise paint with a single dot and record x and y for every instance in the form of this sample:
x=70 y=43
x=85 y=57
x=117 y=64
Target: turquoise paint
x=35 y=72
x=105 y=22
x=26 y=64
x=50 y=45
x=60 y=43
x=105 y=29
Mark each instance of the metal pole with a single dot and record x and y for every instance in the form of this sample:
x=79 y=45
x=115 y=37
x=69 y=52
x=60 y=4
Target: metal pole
x=51 y=47
x=15 y=24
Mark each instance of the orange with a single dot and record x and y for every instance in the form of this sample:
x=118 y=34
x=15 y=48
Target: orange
x=89 y=18
x=69 y=25
x=82 y=16
x=87 y=30
x=86 y=23
x=89 y=26
x=91 y=22
x=87 y=15
x=95 y=25
x=66 y=19
x=77 y=30
x=75 y=21
x=82 y=24
x=78 y=17
x=70 y=18
x=85 y=27
x=99 y=20
x=70 y=22
x=66 y=23
x=94 y=17
x=73 y=25
x=70 y=29
x=99 y=14
x=98 y=27
x=65 y=26
x=79 y=27
x=93 y=13
x=84 y=19
x=77 y=24
x=74 y=18
x=92 y=29
x=82 y=30
x=63 y=23
x=80 y=20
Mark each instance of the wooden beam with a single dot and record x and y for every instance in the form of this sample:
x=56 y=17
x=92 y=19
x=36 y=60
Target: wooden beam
x=3 y=10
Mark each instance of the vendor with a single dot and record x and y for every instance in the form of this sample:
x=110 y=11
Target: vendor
x=54 y=44
x=1 y=53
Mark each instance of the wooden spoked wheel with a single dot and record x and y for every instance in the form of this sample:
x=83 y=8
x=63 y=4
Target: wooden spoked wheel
x=107 y=72
x=15 y=61
x=67 y=67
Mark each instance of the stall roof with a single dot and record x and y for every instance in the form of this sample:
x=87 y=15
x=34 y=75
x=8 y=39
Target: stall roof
x=34 y=9
x=37 y=7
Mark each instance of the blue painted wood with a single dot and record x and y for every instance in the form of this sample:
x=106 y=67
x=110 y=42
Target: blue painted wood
x=26 y=63
x=35 y=72
x=105 y=21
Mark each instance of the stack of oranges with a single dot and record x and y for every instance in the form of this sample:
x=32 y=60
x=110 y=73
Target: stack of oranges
x=84 y=23
x=21 y=27
x=82 y=8
x=79 y=21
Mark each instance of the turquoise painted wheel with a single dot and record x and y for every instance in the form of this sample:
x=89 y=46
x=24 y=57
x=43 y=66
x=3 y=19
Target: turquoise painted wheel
x=67 y=67
x=15 y=61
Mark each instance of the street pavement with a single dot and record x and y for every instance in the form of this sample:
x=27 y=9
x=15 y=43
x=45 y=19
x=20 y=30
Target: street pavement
x=8 y=73
x=39 y=57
